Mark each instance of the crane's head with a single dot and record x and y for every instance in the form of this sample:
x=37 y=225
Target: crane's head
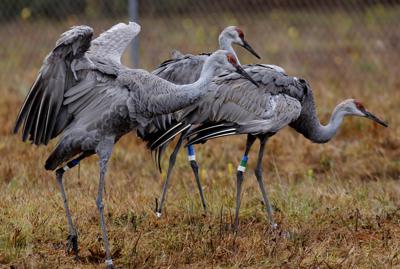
x=235 y=35
x=356 y=108
x=223 y=60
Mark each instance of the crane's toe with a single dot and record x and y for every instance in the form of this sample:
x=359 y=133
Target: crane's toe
x=72 y=244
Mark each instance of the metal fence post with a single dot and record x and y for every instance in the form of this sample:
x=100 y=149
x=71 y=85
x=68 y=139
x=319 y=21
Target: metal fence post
x=133 y=8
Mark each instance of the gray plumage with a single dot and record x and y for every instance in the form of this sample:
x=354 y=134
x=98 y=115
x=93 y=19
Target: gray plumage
x=251 y=110
x=184 y=69
x=84 y=93
x=107 y=98
x=235 y=106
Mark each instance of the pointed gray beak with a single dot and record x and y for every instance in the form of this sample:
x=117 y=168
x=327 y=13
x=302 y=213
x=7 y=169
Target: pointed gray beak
x=371 y=116
x=249 y=48
x=241 y=71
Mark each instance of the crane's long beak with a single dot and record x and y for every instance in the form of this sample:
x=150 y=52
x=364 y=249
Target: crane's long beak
x=241 y=71
x=371 y=116
x=249 y=48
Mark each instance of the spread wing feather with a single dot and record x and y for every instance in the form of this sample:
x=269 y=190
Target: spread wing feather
x=112 y=43
x=45 y=97
x=60 y=93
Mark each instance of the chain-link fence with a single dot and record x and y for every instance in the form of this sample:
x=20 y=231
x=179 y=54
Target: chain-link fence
x=308 y=38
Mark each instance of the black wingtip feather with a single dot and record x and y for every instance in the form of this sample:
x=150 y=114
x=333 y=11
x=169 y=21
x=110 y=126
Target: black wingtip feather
x=169 y=135
x=26 y=105
x=209 y=131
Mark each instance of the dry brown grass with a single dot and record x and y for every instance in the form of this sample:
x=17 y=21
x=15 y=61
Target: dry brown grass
x=339 y=202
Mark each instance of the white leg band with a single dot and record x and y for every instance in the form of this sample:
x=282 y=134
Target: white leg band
x=66 y=168
x=109 y=262
x=158 y=214
x=241 y=168
x=191 y=157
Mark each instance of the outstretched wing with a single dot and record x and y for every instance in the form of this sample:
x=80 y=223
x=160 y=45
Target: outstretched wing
x=112 y=43
x=43 y=103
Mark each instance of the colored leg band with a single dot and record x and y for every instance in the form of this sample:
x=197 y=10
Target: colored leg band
x=243 y=164
x=191 y=153
x=109 y=262
x=70 y=164
x=74 y=162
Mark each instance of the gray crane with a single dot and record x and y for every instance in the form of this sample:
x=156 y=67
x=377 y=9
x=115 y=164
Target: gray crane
x=238 y=107
x=182 y=69
x=87 y=97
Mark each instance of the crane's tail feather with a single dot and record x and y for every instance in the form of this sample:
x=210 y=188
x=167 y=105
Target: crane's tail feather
x=158 y=144
x=206 y=132
x=169 y=135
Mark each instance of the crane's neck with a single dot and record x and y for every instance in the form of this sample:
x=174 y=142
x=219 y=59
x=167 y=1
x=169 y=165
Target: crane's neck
x=208 y=72
x=309 y=125
x=324 y=133
x=225 y=43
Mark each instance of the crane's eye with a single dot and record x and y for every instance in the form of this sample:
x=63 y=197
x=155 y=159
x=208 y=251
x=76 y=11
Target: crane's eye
x=359 y=105
x=231 y=59
x=240 y=32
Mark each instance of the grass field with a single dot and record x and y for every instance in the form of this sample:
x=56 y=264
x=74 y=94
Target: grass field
x=339 y=202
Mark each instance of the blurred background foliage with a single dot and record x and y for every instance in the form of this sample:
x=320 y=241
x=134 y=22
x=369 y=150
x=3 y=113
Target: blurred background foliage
x=50 y=8
x=300 y=35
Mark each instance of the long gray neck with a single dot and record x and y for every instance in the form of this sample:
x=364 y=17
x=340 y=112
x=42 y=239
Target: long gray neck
x=309 y=125
x=207 y=74
x=176 y=97
x=225 y=43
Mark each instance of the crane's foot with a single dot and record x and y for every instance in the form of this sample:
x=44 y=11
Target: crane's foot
x=205 y=212
x=72 y=244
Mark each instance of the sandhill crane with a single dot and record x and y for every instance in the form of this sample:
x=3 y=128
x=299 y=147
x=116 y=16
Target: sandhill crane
x=182 y=69
x=84 y=94
x=238 y=107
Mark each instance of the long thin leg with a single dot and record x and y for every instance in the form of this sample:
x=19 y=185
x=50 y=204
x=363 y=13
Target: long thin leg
x=239 y=177
x=171 y=164
x=195 y=168
x=104 y=150
x=258 y=171
x=72 y=239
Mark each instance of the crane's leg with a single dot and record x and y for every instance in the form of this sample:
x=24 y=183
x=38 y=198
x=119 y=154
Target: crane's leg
x=258 y=172
x=171 y=164
x=72 y=239
x=104 y=150
x=195 y=168
x=239 y=177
